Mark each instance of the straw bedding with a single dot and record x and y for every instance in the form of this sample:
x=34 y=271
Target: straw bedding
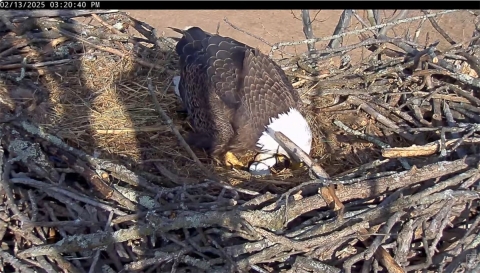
x=95 y=176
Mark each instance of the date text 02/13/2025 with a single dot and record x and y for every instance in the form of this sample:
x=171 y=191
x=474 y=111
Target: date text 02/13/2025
x=5 y=4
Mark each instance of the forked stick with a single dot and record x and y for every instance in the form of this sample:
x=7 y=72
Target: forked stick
x=425 y=150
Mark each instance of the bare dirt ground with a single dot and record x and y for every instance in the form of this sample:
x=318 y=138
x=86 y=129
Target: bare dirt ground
x=285 y=25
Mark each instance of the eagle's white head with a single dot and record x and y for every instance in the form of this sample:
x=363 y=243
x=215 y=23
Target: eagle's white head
x=294 y=126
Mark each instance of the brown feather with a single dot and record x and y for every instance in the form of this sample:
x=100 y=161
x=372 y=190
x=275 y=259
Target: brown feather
x=230 y=91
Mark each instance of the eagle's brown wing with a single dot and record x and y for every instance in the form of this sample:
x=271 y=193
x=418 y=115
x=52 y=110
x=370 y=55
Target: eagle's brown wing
x=230 y=90
x=265 y=93
x=209 y=67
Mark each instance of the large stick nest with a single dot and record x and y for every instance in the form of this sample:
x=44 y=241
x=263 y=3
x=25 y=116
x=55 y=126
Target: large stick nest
x=96 y=176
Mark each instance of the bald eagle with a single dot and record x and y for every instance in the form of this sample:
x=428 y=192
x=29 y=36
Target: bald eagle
x=234 y=96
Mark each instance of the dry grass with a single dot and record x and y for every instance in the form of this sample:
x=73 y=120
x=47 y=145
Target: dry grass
x=104 y=108
x=57 y=199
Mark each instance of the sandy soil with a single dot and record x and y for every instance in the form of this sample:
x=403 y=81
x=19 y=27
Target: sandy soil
x=285 y=25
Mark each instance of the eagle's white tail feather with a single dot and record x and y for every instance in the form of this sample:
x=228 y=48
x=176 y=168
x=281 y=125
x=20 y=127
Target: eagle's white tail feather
x=293 y=125
x=176 y=83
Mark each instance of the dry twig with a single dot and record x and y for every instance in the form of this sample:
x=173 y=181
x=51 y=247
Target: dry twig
x=66 y=208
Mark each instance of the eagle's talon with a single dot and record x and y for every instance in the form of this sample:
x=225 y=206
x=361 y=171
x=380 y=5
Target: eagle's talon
x=296 y=165
x=211 y=107
x=292 y=164
x=232 y=161
x=259 y=168
x=281 y=158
